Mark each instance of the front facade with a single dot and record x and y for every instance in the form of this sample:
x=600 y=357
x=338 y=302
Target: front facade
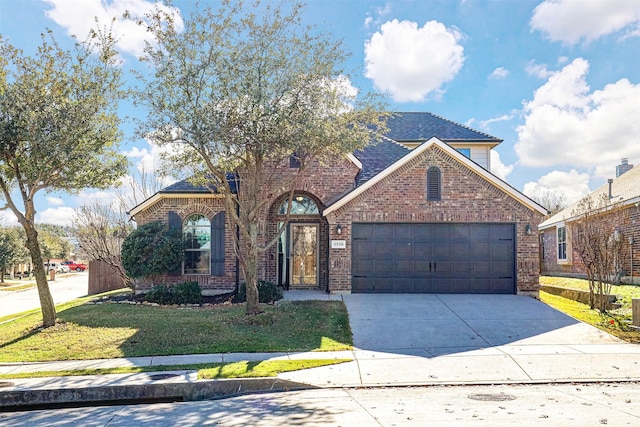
x=557 y=254
x=418 y=212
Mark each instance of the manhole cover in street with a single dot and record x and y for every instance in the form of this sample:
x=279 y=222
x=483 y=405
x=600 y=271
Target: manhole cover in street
x=157 y=377
x=6 y=384
x=491 y=397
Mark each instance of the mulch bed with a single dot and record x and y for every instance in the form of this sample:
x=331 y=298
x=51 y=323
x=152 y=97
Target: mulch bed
x=138 y=299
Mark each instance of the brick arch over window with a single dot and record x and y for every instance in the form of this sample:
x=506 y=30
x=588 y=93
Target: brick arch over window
x=434 y=183
x=196 y=208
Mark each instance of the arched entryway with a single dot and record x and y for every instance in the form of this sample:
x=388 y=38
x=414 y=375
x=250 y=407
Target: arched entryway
x=300 y=251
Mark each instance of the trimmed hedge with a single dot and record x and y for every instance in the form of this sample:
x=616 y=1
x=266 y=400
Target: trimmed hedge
x=180 y=293
x=267 y=292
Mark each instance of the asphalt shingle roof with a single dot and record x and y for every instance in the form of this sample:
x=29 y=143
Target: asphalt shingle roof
x=624 y=188
x=421 y=126
x=404 y=127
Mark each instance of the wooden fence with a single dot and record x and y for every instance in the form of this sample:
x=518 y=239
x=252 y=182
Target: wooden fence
x=102 y=278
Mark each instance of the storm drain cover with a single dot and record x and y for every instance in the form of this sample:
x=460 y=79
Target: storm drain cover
x=157 y=377
x=491 y=397
x=6 y=384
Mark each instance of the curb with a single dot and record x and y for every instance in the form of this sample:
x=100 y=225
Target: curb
x=22 y=400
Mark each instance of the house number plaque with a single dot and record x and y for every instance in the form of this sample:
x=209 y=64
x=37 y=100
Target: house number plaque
x=338 y=244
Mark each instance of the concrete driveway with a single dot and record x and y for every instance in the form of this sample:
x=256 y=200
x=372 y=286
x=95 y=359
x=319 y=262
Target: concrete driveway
x=435 y=325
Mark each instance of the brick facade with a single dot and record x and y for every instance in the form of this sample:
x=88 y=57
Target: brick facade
x=467 y=197
x=573 y=267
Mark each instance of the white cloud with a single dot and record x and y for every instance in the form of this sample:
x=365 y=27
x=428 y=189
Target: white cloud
x=57 y=216
x=55 y=201
x=573 y=185
x=498 y=168
x=538 y=70
x=375 y=17
x=8 y=219
x=503 y=118
x=568 y=124
x=571 y=21
x=79 y=16
x=499 y=73
x=411 y=63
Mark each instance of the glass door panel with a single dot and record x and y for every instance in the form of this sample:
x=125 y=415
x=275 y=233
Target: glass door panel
x=304 y=255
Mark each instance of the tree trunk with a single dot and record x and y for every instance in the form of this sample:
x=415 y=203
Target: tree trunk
x=251 y=271
x=46 y=300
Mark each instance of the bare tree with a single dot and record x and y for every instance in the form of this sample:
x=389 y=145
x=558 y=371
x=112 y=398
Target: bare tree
x=554 y=201
x=598 y=241
x=100 y=228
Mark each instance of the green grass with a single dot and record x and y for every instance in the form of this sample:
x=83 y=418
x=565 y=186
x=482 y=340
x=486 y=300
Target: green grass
x=243 y=369
x=625 y=293
x=615 y=322
x=87 y=331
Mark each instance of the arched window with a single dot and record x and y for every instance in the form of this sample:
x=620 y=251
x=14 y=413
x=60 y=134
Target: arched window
x=434 y=185
x=197 y=239
x=301 y=205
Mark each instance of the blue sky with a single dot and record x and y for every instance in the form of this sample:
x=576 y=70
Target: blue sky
x=557 y=80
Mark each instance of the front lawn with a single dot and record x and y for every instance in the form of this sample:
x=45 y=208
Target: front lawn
x=616 y=322
x=88 y=331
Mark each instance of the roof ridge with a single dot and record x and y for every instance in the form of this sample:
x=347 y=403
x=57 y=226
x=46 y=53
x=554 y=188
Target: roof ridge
x=464 y=126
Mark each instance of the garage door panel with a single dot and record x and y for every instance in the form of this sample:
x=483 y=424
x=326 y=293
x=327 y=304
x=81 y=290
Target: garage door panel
x=434 y=258
x=403 y=285
x=442 y=250
x=404 y=269
x=403 y=250
x=384 y=232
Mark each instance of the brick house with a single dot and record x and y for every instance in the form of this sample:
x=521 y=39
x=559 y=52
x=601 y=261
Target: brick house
x=557 y=255
x=419 y=212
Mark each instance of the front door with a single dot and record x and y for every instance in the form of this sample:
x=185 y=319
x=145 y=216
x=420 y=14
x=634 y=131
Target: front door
x=299 y=260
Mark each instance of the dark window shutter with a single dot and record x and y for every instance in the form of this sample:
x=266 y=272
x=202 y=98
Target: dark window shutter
x=434 y=185
x=175 y=223
x=217 y=244
x=295 y=161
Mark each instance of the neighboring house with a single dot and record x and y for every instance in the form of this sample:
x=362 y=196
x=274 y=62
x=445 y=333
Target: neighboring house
x=419 y=212
x=557 y=256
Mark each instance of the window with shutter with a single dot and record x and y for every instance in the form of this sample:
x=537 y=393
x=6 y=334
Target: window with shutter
x=434 y=185
x=197 y=243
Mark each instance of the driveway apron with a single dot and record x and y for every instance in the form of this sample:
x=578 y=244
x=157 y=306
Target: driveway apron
x=435 y=325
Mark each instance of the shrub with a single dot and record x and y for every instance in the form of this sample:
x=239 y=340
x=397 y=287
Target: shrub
x=151 y=250
x=180 y=293
x=267 y=292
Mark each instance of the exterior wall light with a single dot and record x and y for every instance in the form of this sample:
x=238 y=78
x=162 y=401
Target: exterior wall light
x=338 y=229
x=527 y=229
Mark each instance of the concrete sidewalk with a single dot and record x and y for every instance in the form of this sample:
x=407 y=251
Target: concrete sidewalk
x=568 y=351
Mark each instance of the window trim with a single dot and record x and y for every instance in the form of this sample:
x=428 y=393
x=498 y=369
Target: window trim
x=562 y=246
x=207 y=250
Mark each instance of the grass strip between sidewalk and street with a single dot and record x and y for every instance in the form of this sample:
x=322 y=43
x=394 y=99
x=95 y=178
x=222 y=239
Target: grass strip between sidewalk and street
x=241 y=369
x=104 y=331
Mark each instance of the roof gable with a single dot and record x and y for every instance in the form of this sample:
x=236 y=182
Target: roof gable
x=453 y=153
x=625 y=189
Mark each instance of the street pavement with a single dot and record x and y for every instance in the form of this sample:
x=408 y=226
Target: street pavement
x=65 y=288
x=502 y=405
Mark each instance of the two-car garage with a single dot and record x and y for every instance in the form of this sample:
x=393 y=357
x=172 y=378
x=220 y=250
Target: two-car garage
x=433 y=258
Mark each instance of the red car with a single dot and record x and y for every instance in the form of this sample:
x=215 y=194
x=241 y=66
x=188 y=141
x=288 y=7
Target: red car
x=73 y=266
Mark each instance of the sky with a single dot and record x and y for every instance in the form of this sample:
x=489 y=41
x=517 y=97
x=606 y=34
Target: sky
x=557 y=80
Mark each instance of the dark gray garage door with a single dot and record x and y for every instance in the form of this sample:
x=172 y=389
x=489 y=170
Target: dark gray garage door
x=433 y=258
